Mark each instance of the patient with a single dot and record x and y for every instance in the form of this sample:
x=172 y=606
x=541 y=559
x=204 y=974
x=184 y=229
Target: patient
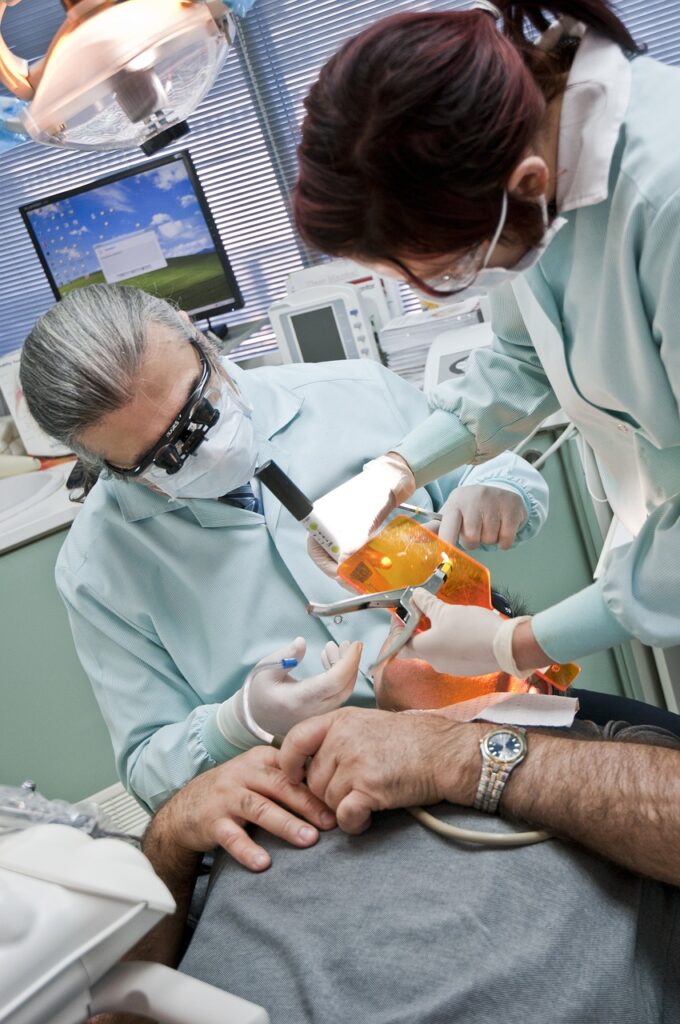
x=399 y=925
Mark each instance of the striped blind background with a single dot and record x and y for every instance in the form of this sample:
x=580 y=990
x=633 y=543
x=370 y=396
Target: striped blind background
x=242 y=141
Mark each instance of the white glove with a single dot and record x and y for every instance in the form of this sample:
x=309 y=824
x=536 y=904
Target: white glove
x=481 y=514
x=277 y=701
x=463 y=640
x=355 y=509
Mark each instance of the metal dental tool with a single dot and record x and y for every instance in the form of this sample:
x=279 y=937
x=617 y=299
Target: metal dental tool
x=426 y=513
x=400 y=601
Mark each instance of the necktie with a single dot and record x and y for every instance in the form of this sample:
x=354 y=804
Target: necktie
x=243 y=497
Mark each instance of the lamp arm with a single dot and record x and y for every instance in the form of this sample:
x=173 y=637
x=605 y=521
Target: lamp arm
x=14 y=71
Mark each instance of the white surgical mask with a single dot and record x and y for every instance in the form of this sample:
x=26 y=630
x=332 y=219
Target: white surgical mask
x=224 y=461
x=491 y=277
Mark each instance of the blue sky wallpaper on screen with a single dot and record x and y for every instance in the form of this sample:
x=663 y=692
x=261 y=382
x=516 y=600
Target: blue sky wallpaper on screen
x=160 y=199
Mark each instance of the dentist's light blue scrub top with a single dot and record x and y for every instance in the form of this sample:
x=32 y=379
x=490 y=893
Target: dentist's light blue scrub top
x=172 y=602
x=595 y=327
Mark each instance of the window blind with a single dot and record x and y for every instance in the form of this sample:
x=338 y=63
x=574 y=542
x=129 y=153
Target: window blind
x=243 y=142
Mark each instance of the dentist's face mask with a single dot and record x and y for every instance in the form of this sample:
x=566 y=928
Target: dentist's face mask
x=225 y=459
x=208 y=450
x=469 y=279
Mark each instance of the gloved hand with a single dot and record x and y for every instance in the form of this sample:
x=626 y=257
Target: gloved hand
x=277 y=701
x=463 y=640
x=358 y=507
x=481 y=514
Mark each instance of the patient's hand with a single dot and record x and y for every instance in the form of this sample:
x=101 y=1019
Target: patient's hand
x=215 y=808
x=479 y=514
x=365 y=760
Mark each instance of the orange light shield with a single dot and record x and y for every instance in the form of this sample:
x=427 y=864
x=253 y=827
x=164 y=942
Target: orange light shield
x=405 y=554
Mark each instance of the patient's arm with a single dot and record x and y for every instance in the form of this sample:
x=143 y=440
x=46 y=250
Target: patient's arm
x=621 y=800
x=214 y=810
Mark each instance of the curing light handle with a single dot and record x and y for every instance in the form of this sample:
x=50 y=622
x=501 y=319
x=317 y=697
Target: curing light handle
x=283 y=488
x=299 y=506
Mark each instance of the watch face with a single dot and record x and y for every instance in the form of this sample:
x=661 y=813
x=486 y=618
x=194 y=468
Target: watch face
x=504 y=746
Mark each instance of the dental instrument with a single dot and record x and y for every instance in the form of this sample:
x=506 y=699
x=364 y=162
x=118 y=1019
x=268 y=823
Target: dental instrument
x=262 y=734
x=416 y=510
x=399 y=601
x=299 y=506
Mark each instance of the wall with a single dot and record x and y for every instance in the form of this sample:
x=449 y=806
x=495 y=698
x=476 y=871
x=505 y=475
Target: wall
x=52 y=731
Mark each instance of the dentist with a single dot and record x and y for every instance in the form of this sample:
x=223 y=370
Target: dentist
x=451 y=150
x=180 y=576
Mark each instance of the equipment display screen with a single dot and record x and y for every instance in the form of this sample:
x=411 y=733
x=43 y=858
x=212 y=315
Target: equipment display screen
x=317 y=335
x=149 y=227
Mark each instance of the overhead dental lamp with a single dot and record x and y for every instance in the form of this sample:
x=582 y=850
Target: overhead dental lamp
x=120 y=73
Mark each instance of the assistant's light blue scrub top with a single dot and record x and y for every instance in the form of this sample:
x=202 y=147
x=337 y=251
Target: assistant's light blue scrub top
x=172 y=602
x=594 y=327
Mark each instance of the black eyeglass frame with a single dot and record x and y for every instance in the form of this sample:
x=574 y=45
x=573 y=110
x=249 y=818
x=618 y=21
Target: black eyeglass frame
x=189 y=427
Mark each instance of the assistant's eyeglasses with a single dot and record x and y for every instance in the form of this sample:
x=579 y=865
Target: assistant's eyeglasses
x=187 y=431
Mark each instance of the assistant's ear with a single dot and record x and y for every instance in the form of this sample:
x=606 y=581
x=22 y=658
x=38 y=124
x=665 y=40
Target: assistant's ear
x=185 y=316
x=530 y=178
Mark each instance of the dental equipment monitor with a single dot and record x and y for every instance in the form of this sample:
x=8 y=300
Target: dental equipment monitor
x=323 y=322
x=149 y=226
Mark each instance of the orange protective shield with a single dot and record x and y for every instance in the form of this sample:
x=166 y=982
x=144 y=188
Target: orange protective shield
x=405 y=554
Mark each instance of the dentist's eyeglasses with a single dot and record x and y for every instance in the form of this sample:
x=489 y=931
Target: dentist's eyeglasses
x=187 y=431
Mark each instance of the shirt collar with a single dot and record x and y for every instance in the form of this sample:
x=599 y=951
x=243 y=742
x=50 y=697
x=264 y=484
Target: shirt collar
x=273 y=408
x=593 y=108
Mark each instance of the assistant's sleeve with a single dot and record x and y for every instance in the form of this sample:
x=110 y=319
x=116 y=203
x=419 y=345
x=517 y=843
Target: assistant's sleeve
x=162 y=736
x=637 y=596
x=506 y=470
x=639 y=592
x=503 y=395
x=511 y=472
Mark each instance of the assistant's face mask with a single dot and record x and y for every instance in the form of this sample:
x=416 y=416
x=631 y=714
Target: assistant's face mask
x=224 y=461
x=491 y=277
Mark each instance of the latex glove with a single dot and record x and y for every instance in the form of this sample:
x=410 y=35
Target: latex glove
x=355 y=509
x=480 y=514
x=278 y=701
x=460 y=640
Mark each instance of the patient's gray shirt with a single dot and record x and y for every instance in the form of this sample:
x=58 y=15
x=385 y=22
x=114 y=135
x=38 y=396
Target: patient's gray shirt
x=401 y=926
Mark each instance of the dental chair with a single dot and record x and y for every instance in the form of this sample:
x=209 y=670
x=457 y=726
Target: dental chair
x=606 y=707
x=70 y=908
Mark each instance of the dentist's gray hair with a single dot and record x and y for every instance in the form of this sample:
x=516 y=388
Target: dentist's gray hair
x=82 y=358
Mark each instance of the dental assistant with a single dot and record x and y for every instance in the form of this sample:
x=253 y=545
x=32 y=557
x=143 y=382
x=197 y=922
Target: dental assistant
x=548 y=174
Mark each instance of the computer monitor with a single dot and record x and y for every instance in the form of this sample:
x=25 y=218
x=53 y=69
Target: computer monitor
x=149 y=226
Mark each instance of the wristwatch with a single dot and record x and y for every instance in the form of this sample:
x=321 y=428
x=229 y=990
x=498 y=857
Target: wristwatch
x=502 y=750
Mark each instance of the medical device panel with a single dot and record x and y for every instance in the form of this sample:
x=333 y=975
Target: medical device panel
x=149 y=226
x=323 y=322
x=380 y=296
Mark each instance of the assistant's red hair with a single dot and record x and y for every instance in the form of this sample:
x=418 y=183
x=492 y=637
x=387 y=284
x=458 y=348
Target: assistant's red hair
x=414 y=127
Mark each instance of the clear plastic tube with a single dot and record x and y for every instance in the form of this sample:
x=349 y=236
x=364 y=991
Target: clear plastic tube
x=22 y=807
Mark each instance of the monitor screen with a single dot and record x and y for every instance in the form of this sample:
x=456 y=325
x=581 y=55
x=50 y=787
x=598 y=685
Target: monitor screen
x=317 y=335
x=149 y=227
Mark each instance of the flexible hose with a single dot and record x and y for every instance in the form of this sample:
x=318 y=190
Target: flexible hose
x=466 y=835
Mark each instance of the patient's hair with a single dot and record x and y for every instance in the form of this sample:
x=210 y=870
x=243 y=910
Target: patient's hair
x=509 y=603
x=82 y=360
